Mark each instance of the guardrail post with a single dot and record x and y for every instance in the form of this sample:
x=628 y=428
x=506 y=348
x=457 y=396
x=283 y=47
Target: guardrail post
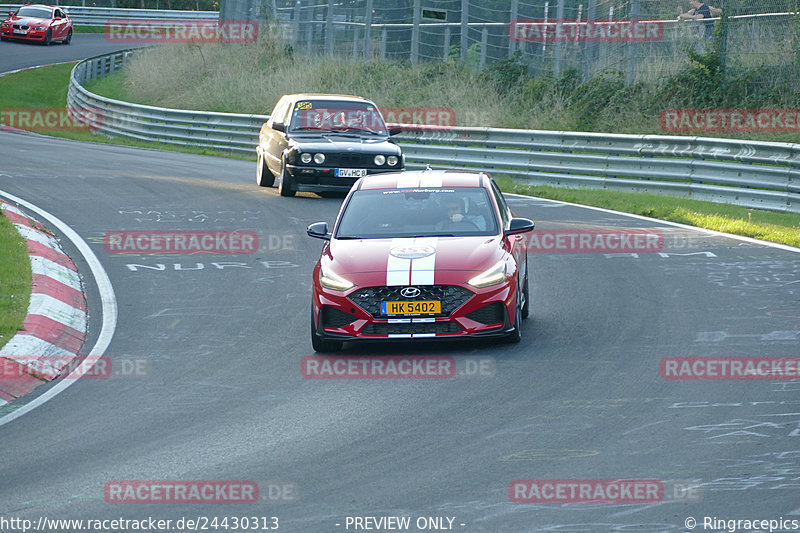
x=356 y=32
x=446 y=46
x=296 y=24
x=384 y=37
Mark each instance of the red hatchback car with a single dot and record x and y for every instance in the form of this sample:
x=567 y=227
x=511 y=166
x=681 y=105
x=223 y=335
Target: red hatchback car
x=420 y=255
x=39 y=23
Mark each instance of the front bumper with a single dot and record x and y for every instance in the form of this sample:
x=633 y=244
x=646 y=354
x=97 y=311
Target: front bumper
x=32 y=35
x=485 y=314
x=314 y=179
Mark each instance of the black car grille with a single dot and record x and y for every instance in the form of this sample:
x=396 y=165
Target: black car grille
x=354 y=160
x=451 y=296
x=334 y=318
x=489 y=314
x=20 y=27
x=405 y=328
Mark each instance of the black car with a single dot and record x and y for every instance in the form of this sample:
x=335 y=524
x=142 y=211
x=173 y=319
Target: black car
x=324 y=143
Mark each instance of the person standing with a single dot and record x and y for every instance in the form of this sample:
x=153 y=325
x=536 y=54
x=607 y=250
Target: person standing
x=700 y=10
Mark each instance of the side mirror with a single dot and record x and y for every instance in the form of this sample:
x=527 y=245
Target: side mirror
x=519 y=225
x=279 y=126
x=394 y=130
x=319 y=230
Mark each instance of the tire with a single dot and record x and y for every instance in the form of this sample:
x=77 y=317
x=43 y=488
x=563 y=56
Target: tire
x=516 y=334
x=48 y=38
x=69 y=37
x=322 y=345
x=264 y=177
x=526 y=308
x=285 y=183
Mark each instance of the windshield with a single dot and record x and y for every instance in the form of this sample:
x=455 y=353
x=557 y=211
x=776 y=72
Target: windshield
x=395 y=213
x=333 y=116
x=36 y=12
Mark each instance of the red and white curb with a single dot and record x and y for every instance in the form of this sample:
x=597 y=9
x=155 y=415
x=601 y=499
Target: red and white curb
x=55 y=327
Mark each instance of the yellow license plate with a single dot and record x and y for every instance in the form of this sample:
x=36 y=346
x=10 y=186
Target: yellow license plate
x=411 y=308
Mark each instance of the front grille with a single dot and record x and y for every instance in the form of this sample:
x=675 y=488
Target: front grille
x=405 y=328
x=488 y=314
x=20 y=27
x=334 y=318
x=451 y=296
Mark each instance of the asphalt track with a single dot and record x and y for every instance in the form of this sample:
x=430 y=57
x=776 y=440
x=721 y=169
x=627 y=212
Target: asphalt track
x=224 y=399
x=16 y=55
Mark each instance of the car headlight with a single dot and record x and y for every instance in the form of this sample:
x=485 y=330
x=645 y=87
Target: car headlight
x=392 y=160
x=330 y=279
x=379 y=159
x=305 y=158
x=39 y=28
x=494 y=275
x=319 y=158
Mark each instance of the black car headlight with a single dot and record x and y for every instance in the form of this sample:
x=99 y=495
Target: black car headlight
x=392 y=160
x=319 y=158
x=379 y=159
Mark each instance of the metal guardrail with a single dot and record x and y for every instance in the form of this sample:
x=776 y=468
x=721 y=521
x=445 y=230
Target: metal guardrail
x=747 y=173
x=97 y=16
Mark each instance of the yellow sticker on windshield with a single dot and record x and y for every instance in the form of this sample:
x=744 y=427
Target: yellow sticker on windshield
x=303 y=105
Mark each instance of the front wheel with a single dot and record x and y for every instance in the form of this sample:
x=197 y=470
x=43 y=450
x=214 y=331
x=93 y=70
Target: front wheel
x=69 y=37
x=516 y=334
x=285 y=187
x=526 y=293
x=263 y=176
x=48 y=38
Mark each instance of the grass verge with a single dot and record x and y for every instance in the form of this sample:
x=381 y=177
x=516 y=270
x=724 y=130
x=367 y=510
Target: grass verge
x=46 y=88
x=783 y=228
x=15 y=280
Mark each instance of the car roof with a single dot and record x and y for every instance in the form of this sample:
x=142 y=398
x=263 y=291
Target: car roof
x=45 y=6
x=321 y=96
x=425 y=179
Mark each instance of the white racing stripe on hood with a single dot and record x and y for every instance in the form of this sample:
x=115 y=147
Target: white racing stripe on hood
x=420 y=271
x=398 y=270
x=423 y=269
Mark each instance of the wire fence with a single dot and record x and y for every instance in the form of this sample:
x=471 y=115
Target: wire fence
x=642 y=39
